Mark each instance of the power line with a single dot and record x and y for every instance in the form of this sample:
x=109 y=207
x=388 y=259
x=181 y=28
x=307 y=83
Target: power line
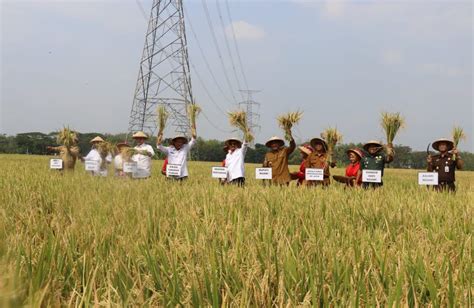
x=236 y=45
x=211 y=27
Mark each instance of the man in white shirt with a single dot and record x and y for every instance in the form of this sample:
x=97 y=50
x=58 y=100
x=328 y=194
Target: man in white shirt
x=96 y=157
x=122 y=147
x=177 y=153
x=234 y=161
x=143 y=154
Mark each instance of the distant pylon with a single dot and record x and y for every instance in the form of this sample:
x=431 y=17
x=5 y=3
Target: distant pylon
x=251 y=108
x=164 y=77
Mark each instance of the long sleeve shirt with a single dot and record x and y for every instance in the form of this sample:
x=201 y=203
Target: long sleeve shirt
x=278 y=161
x=178 y=157
x=94 y=155
x=445 y=166
x=234 y=161
x=143 y=161
x=68 y=155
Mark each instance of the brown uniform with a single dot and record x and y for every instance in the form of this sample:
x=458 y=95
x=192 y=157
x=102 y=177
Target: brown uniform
x=69 y=156
x=319 y=161
x=445 y=166
x=278 y=161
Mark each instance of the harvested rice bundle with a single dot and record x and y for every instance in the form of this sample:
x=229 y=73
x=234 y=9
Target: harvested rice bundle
x=287 y=121
x=67 y=137
x=193 y=111
x=162 y=118
x=332 y=137
x=391 y=124
x=127 y=154
x=238 y=119
x=457 y=135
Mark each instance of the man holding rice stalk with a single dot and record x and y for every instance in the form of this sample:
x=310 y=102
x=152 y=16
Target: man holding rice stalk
x=177 y=152
x=277 y=157
x=100 y=153
x=447 y=161
x=68 y=150
x=142 y=154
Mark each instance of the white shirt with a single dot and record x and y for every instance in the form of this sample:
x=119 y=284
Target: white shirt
x=94 y=155
x=178 y=157
x=143 y=161
x=234 y=162
x=118 y=162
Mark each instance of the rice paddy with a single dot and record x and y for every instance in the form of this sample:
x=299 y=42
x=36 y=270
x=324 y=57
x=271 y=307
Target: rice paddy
x=77 y=240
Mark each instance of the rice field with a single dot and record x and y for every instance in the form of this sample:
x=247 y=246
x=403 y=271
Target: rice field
x=75 y=240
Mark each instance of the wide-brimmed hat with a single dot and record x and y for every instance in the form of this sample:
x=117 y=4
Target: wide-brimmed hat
x=356 y=152
x=233 y=139
x=306 y=148
x=139 y=135
x=179 y=137
x=372 y=142
x=97 y=139
x=273 y=139
x=122 y=144
x=317 y=140
x=448 y=142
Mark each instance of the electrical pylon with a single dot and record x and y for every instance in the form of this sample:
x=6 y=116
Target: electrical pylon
x=251 y=109
x=164 y=76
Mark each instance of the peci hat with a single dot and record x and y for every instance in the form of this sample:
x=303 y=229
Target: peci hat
x=140 y=134
x=233 y=139
x=448 y=142
x=356 y=152
x=306 y=148
x=273 y=139
x=372 y=142
x=316 y=140
x=179 y=137
x=97 y=139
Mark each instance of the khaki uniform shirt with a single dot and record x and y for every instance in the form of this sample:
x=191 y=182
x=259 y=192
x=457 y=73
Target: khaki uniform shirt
x=278 y=161
x=69 y=156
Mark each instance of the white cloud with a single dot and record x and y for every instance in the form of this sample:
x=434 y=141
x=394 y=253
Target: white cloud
x=245 y=31
x=392 y=57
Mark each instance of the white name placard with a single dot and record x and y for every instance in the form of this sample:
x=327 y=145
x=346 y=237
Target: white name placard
x=173 y=170
x=263 y=173
x=129 y=167
x=314 y=174
x=371 y=176
x=56 y=163
x=140 y=174
x=219 y=172
x=427 y=178
x=91 y=165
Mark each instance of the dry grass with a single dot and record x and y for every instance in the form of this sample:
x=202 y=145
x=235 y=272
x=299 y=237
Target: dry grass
x=67 y=137
x=332 y=137
x=193 y=112
x=391 y=124
x=287 y=121
x=163 y=116
x=238 y=119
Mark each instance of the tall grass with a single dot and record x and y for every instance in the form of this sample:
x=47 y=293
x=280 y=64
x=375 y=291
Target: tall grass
x=77 y=240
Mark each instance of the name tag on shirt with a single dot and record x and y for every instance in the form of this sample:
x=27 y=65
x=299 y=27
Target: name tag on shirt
x=56 y=163
x=314 y=174
x=427 y=178
x=129 y=167
x=219 y=172
x=371 y=176
x=91 y=165
x=173 y=170
x=263 y=173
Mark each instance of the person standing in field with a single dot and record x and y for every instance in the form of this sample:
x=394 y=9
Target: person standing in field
x=319 y=159
x=445 y=164
x=300 y=176
x=101 y=160
x=177 y=152
x=234 y=161
x=352 y=170
x=68 y=155
x=277 y=159
x=375 y=159
x=120 y=158
x=142 y=155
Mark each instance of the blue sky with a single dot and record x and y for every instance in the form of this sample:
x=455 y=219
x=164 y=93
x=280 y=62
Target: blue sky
x=341 y=62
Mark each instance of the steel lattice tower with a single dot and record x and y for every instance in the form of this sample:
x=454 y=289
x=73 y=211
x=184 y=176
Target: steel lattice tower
x=251 y=108
x=164 y=76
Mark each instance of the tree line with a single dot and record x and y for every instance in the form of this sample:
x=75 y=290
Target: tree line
x=208 y=150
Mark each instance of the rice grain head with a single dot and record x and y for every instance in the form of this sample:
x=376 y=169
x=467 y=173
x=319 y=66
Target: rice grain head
x=238 y=119
x=458 y=135
x=332 y=137
x=162 y=118
x=193 y=111
x=67 y=137
x=288 y=120
x=391 y=123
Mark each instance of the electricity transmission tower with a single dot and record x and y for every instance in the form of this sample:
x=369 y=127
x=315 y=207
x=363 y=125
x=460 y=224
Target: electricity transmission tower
x=164 y=76
x=251 y=108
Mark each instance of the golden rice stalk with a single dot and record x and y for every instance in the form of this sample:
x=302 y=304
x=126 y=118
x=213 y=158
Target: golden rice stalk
x=105 y=148
x=127 y=154
x=332 y=137
x=193 y=111
x=162 y=118
x=67 y=137
x=458 y=135
x=391 y=124
x=238 y=119
x=288 y=120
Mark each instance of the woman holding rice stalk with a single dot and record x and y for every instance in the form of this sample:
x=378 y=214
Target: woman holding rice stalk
x=68 y=150
x=177 y=152
x=446 y=163
x=277 y=157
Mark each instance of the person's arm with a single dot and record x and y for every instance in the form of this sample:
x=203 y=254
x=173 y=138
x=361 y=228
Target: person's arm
x=459 y=161
x=150 y=152
x=53 y=149
x=162 y=149
x=266 y=162
x=245 y=146
x=292 y=146
x=429 y=162
x=192 y=142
